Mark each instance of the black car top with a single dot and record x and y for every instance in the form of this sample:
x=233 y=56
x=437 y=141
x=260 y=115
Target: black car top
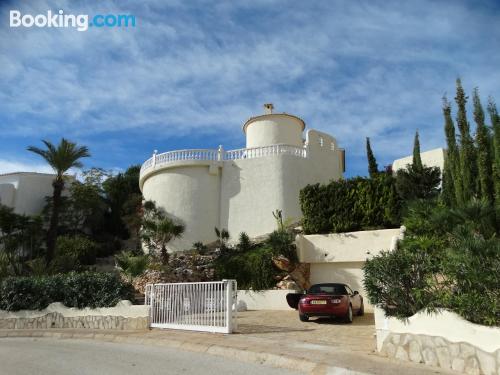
x=330 y=288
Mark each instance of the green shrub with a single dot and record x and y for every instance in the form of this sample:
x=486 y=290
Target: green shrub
x=450 y=258
x=252 y=269
x=87 y=289
x=350 y=205
x=132 y=265
x=79 y=248
x=472 y=270
x=401 y=282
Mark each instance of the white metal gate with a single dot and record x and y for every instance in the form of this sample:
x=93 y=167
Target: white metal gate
x=204 y=306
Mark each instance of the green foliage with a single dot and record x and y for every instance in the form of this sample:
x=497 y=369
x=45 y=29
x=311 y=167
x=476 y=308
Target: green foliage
x=252 y=269
x=417 y=160
x=282 y=242
x=132 y=265
x=158 y=230
x=61 y=158
x=467 y=151
x=88 y=289
x=495 y=124
x=20 y=237
x=350 y=205
x=451 y=184
x=82 y=249
x=372 y=162
x=472 y=270
x=450 y=258
x=418 y=182
x=400 y=282
x=484 y=157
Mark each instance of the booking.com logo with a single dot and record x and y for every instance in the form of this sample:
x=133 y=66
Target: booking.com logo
x=81 y=22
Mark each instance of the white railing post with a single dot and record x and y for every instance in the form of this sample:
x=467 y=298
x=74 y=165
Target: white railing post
x=154 y=157
x=229 y=305
x=220 y=153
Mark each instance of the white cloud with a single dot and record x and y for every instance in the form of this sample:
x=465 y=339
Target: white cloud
x=10 y=166
x=354 y=69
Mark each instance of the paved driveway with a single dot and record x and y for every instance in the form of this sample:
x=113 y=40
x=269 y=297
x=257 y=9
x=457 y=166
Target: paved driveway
x=285 y=325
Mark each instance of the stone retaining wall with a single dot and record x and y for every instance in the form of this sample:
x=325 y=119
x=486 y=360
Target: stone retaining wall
x=124 y=316
x=443 y=339
x=437 y=351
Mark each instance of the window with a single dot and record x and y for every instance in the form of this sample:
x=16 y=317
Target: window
x=328 y=289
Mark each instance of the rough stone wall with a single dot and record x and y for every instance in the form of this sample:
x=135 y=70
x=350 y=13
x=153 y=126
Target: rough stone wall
x=437 y=351
x=57 y=320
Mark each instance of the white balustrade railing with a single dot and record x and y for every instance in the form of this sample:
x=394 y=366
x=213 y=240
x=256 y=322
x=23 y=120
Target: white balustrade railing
x=214 y=155
x=202 y=306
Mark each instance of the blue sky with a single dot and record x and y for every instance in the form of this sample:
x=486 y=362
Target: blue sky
x=191 y=72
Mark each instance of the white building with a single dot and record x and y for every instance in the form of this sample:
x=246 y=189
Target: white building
x=431 y=158
x=239 y=189
x=25 y=192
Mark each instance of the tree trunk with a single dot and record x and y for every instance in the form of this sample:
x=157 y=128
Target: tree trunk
x=164 y=255
x=58 y=185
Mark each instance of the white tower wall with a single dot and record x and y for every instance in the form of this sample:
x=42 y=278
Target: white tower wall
x=273 y=129
x=191 y=195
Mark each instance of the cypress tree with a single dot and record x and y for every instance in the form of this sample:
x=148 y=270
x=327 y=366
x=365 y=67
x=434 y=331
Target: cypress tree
x=372 y=162
x=452 y=184
x=417 y=160
x=484 y=159
x=495 y=124
x=468 y=165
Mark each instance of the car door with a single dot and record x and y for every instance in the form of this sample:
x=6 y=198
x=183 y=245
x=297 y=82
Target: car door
x=354 y=298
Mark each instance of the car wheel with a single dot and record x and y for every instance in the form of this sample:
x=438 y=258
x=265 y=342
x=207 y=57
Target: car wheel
x=303 y=318
x=348 y=316
x=361 y=311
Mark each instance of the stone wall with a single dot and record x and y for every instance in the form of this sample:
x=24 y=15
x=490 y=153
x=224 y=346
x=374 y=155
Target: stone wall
x=442 y=339
x=437 y=351
x=124 y=316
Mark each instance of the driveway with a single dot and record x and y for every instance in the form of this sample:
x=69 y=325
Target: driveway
x=24 y=356
x=358 y=337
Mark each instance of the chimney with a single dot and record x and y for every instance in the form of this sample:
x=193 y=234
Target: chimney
x=268 y=108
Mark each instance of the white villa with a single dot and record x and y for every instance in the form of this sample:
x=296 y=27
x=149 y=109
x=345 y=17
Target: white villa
x=25 y=192
x=239 y=189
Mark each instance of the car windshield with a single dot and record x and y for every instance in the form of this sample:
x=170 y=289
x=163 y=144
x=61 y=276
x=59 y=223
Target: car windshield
x=327 y=289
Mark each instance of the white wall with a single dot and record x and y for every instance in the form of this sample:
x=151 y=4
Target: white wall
x=446 y=324
x=273 y=129
x=239 y=195
x=190 y=193
x=263 y=300
x=26 y=191
x=431 y=158
x=344 y=247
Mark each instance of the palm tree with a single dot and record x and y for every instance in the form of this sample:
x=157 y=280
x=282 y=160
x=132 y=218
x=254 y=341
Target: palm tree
x=61 y=158
x=159 y=231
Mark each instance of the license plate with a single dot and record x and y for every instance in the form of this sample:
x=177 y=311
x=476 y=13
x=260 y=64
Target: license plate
x=318 y=302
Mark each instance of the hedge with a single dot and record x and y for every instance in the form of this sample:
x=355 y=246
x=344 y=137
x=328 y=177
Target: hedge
x=349 y=205
x=87 y=289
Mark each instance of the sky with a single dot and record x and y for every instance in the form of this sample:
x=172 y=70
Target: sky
x=190 y=73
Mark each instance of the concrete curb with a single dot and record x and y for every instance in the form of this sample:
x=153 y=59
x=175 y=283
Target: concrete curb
x=240 y=354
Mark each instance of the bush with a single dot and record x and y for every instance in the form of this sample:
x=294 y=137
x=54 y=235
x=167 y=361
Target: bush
x=349 y=205
x=471 y=268
x=401 y=282
x=87 y=289
x=79 y=248
x=132 y=265
x=450 y=258
x=253 y=269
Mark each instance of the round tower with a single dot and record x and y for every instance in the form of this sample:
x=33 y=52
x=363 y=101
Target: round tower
x=273 y=128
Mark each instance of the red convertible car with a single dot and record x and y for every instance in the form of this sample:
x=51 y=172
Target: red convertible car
x=327 y=300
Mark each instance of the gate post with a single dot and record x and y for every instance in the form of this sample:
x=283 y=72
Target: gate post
x=229 y=305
